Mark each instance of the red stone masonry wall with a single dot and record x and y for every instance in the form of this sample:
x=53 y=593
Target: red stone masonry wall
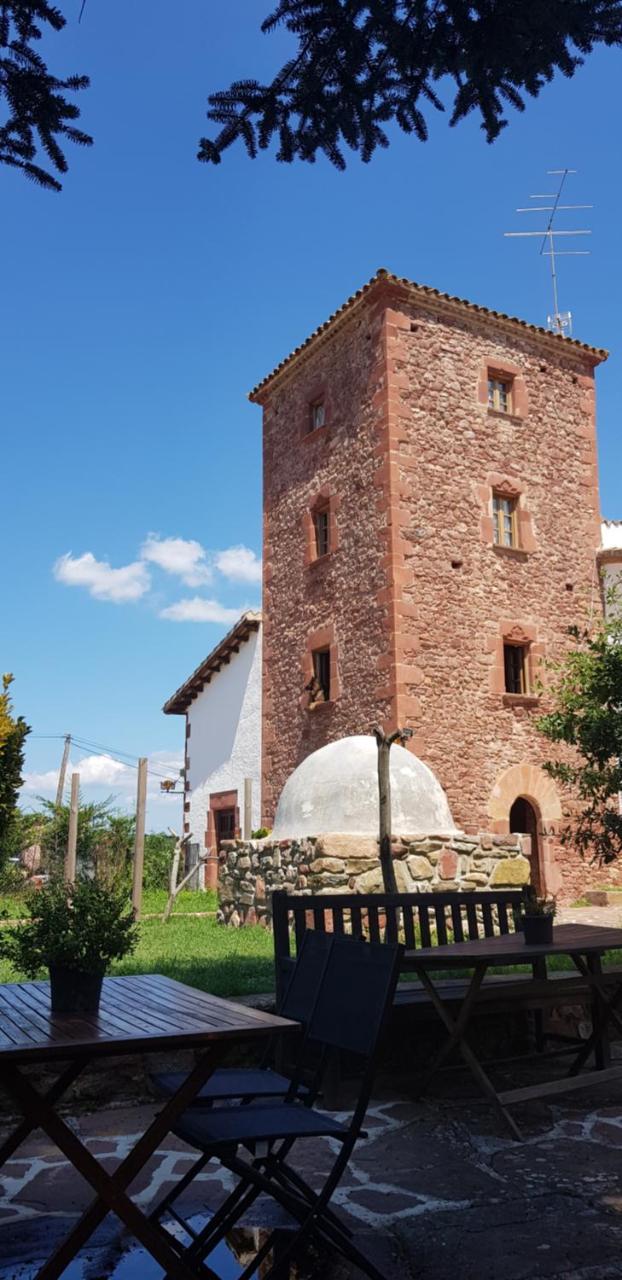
x=416 y=599
x=343 y=591
x=461 y=595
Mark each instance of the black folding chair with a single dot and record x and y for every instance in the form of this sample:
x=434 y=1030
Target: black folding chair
x=247 y=1083
x=349 y=1016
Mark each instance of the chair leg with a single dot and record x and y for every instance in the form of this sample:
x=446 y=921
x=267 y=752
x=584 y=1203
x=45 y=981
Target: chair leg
x=172 y=1195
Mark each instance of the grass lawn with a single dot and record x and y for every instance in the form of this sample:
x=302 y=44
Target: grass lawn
x=227 y=962
x=154 y=900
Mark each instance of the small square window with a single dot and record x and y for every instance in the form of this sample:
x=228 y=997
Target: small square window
x=515 y=665
x=318 y=415
x=504 y=522
x=320 y=691
x=500 y=394
x=322 y=532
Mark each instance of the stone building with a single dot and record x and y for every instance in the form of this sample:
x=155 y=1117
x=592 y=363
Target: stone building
x=431 y=524
x=221 y=702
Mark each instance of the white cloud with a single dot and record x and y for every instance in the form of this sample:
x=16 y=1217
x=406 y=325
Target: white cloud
x=182 y=556
x=101 y=580
x=239 y=563
x=197 y=609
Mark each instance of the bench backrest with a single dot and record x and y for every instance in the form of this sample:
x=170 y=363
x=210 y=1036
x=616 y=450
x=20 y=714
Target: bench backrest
x=416 y=919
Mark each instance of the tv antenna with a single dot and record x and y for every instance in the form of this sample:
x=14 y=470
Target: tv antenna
x=560 y=321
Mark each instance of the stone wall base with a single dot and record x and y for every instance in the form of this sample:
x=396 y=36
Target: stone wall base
x=251 y=870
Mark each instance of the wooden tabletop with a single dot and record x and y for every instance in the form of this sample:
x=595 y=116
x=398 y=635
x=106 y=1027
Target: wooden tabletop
x=510 y=948
x=137 y=1014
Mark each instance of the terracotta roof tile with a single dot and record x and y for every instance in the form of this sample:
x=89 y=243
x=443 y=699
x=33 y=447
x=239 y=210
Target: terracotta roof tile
x=188 y=691
x=423 y=292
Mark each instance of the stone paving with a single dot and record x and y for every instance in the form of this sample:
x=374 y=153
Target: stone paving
x=437 y=1190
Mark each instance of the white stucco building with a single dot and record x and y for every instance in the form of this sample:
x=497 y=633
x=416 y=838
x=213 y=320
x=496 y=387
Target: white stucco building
x=221 y=702
x=610 y=557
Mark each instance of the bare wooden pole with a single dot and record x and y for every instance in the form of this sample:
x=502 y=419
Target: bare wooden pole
x=72 y=838
x=60 y=790
x=385 y=743
x=248 y=808
x=139 y=841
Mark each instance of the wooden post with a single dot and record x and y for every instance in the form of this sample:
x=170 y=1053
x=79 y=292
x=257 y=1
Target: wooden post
x=63 y=772
x=139 y=842
x=384 y=795
x=248 y=808
x=72 y=838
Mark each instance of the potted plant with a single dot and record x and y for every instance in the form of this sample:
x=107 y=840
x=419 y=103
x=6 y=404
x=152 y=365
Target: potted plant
x=74 y=930
x=537 y=917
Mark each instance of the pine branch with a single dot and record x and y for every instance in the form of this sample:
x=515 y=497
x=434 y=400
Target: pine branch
x=361 y=64
x=38 y=116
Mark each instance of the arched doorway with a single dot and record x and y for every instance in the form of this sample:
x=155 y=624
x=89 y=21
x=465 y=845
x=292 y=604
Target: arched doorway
x=524 y=820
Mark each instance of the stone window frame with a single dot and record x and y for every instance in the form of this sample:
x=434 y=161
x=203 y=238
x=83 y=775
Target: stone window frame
x=316 y=393
x=506 y=486
x=322 y=638
x=525 y=636
x=325 y=500
x=504 y=371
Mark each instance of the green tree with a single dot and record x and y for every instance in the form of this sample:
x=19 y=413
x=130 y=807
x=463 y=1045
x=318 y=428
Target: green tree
x=13 y=733
x=356 y=66
x=587 y=716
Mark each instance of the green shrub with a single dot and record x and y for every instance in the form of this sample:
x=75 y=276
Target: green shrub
x=79 y=926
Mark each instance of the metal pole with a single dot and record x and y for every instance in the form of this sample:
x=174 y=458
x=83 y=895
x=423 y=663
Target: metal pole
x=72 y=838
x=139 y=842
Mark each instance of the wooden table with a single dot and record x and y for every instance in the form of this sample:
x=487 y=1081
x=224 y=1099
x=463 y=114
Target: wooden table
x=141 y=1014
x=585 y=944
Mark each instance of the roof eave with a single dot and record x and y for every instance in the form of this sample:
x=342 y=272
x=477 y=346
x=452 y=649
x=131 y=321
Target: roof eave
x=423 y=294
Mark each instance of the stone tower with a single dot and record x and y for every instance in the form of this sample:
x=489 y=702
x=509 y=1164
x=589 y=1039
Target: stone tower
x=431 y=522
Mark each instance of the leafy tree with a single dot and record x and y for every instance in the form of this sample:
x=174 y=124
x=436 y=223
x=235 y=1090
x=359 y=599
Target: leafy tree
x=159 y=848
x=357 y=65
x=13 y=733
x=587 y=716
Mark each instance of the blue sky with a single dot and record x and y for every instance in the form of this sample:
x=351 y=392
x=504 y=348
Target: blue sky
x=141 y=304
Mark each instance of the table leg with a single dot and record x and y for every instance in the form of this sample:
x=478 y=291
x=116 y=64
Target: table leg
x=604 y=1010
x=460 y=1023
x=111 y=1188
x=56 y=1091
x=456 y=1028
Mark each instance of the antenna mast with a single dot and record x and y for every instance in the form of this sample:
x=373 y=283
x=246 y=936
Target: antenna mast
x=560 y=321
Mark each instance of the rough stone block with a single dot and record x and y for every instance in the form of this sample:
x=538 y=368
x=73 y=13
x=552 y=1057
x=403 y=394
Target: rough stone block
x=320 y=865
x=511 y=872
x=419 y=867
x=347 y=846
x=448 y=865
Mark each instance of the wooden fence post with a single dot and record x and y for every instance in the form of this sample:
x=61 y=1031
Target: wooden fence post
x=139 y=842
x=72 y=838
x=385 y=743
x=248 y=808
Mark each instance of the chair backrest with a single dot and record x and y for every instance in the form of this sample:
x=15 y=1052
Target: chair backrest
x=305 y=981
x=355 y=996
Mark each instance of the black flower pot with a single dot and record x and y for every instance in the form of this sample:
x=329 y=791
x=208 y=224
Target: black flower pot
x=537 y=929
x=73 y=991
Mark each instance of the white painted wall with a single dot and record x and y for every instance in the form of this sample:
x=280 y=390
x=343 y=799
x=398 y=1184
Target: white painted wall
x=611 y=570
x=224 y=746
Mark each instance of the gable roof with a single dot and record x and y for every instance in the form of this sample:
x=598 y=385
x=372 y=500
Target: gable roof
x=178 y=704
x=421 y=293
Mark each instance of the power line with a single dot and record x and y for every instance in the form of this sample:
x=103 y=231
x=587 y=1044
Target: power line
x=85 y=746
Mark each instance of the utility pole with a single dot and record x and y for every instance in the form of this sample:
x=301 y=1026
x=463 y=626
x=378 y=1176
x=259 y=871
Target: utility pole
x=63 y=772
x=385 y=742
x=139 y=842
x=72 y=838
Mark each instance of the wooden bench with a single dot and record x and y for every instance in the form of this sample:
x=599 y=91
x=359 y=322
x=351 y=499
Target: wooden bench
x=426 y=920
